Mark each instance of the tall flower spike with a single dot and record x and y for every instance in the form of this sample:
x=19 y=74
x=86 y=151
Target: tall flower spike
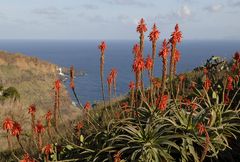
x=176 y=36
x=131 y=85
x=39 y=128
x=149 y=63
x=164 y=53
x=136 y=49
x=207 y=84
x=16 y=130
x=8 y=124
x=57 y=85
x=141 y=28
x=102 y=48
x=163 y=102
x=154 y=34
x=32 y=109
x=201 y=128
x=48 y=115
x=87 y=106
x=229 y=83
x=165 y=49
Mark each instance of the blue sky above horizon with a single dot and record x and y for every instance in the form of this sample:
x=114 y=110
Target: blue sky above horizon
x=117 y=19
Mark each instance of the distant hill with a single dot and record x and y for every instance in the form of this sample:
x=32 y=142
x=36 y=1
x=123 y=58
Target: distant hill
x=34 y=80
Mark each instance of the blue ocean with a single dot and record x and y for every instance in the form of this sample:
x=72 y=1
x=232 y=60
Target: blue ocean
x=84 y=55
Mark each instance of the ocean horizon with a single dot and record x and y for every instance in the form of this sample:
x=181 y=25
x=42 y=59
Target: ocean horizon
x=84 y=55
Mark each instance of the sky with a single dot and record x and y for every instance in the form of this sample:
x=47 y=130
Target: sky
x=117 y=19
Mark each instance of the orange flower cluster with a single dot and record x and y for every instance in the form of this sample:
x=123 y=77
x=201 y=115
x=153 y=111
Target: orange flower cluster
x=201 y=128
x=131 y=85
x=39 y=128
x=149 y=63
x=79 y=126
x=176 y=35
x=16 y=129
x=141 y=28
x=165 y=50
x=87 y=106
x=8 y=124
x=163 y=103
x=207 y=84
x=154 y=34
x=229 y=83
x=27 y=158
x=48 y=116
x=13 y=126
x=32 y=109
x=57 y=85
x=102 y=47
x=177 y=56
x=136 y=50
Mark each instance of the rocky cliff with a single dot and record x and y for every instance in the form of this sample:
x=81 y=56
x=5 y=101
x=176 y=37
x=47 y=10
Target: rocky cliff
x=34 y=80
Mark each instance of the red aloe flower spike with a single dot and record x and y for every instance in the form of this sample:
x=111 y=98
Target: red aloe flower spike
x=27 y=158
x=109 y=81
x=229 y=83
x=39 y=129
x=176 y=60
x=32 y=111
x=138 y=67
x=78 y=127
x=131 y=85
x=149 y=63
x=175 y=38
x=57 y=85
x=102 y=48
x=47 y=150
x=87 y=106
x=163 y=103
x=16 y=130
x=141 y=28
x=153 y=36
x=57 y=101
x=207 y=84
x=201 y=128
x=114 y=76
x=226 y=99
x=164 y=53
x=117 y=157
x=136 y=50
x=8 y=124
x=48 y=115
x=165 y=49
